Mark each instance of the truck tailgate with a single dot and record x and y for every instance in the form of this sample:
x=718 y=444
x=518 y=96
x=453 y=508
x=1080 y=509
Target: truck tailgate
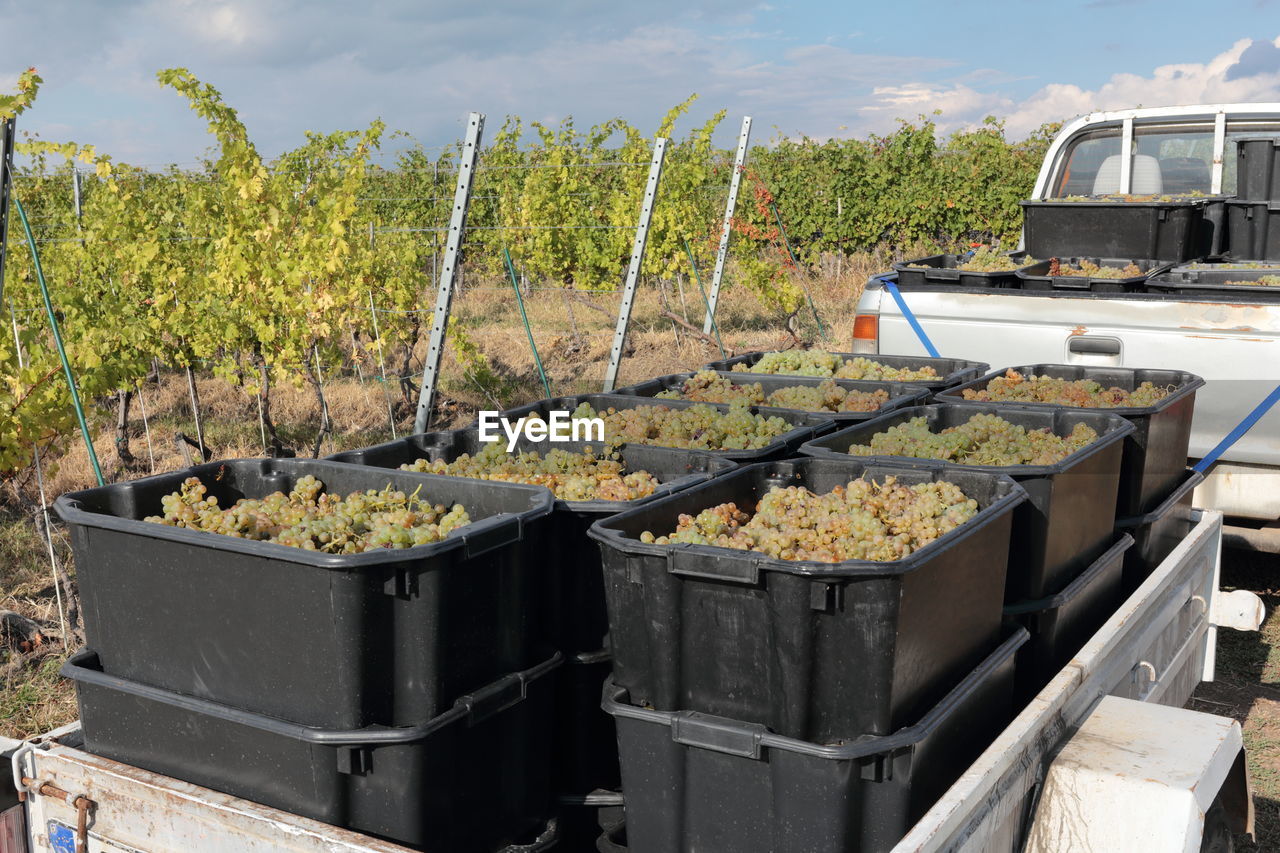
x=1235 y=347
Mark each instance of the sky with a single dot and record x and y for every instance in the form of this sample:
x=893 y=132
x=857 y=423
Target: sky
x=827 y=68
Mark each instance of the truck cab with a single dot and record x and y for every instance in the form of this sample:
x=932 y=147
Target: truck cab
x=1234 y=345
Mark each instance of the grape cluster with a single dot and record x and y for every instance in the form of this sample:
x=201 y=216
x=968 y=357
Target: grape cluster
x=984 y=439
x=821 y=363
x=1264 y=281
x=1088 y=269
x=698 y=427
x=861 y=521
x=1079 y=393
x=581 y=476
x=986 y=259
x=311 y=519
x=1238 y=265
x=707 y=386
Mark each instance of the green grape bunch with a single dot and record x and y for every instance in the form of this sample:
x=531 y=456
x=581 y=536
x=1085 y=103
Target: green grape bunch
x=986 y=259
x=1088 y=269
x=863 y=520
x=707 y=386
x=314 y=520
x=1078 y=393
x=570 y=476
x=984 y=439
x=700 y=427
x=825 y=364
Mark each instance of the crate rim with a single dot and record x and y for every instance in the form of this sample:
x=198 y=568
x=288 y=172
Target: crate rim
x=867 y=746
x=70 y=508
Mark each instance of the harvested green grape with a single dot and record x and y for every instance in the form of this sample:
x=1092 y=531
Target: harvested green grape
x=1088 y=269
x=571 y=476
x=707 y=386
x=1132 y=199
x=314 y=520
x=1252 y=265
x=815 y=362
x=698 y=427
x=1265 y=281
x=1080 y=393
x=984 y=439
x=989 y=260
x=861 y=521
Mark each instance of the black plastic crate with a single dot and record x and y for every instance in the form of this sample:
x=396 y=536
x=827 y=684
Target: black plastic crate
x=805 y=425
x=900 y=393
x=571 y=586
x=1036 y=276
x=586 y=753
x=1258 y=168
x=1158 y=532
x=1069 y=514
x=472 y=779
x=943 y=269
x=1167 y=230
x=701 y=782
x=388 y=637
x=1155 y=453
x=1253 y=229
x=821 y=651
x=613 y=839
x=1061 y=624
x=1219 y=281
x=951 y=371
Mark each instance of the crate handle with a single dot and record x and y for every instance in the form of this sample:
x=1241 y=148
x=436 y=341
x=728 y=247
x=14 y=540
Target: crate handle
x=717 y=735
x=738 y=566
x=506 y=531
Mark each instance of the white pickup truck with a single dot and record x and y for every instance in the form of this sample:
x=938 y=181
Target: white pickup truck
x=1233 y=343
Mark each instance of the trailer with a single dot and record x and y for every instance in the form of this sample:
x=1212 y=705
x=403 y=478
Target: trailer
x=1104 y=758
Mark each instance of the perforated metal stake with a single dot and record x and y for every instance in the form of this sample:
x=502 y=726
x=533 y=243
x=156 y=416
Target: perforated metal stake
x=452 y=251
x=637 y=260
x=722 y=253
x=6 y=187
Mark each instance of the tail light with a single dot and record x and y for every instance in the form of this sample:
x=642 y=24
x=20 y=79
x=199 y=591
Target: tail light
x=866 y=333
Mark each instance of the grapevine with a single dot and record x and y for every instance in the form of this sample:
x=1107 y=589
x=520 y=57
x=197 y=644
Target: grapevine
x=822 y=363
x=1080 y=393
x=707 y=386
x=984 y=439
x=570 y=476
x=313 y=520
x=861 y=521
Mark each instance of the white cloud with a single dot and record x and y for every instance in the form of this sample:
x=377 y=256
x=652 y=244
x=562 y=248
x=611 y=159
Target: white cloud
x=1185 y=83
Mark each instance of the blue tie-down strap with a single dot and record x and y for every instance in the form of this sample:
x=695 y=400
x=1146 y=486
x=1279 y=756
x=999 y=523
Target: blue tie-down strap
x=1238 y=433
x=892 y=287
